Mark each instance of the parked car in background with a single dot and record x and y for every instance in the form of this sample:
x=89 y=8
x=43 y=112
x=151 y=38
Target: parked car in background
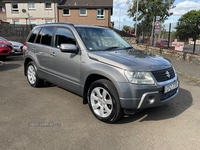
x=99 y=65
x=6 y=49
x=17 y=46
x=162 y=43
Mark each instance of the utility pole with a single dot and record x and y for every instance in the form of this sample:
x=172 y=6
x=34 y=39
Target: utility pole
x=195 y=35
x=154 y=27
x=169 y=34
x=136 y=18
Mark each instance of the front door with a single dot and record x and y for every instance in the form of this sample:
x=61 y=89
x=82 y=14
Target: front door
x=65 y=67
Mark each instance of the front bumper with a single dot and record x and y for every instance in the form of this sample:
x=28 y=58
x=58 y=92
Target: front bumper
x=141 y=97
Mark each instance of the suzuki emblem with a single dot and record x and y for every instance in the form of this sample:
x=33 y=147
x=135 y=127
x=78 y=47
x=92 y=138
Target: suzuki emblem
x=167 y=74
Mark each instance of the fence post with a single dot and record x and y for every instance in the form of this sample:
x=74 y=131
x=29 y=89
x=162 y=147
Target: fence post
x=169 y=34
x=195 y=35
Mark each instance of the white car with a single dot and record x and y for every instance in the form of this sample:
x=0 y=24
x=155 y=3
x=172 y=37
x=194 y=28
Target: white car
x=17 y=46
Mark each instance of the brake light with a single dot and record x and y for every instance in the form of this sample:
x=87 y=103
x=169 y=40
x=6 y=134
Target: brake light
x=24 y=48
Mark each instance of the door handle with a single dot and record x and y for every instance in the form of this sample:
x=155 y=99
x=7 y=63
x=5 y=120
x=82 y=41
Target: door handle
x=53 y=54
x=33 y=49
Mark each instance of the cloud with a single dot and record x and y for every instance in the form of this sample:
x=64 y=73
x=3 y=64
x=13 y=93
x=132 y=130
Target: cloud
x=185 y=6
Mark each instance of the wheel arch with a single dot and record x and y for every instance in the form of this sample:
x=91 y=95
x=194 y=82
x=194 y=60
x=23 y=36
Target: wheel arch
x=27 y=60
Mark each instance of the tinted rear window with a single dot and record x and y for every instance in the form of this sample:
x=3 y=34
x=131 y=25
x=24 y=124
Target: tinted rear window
x=33 y=35
x=47 y=34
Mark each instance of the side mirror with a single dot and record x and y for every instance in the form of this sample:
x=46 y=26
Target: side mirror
x=69 y=48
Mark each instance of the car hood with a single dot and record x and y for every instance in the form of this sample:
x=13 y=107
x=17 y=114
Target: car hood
x=16 y=43
x=133 y=60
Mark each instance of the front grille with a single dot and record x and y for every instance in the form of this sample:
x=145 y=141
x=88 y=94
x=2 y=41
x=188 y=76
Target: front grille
x=162 y=75
x=4 y=52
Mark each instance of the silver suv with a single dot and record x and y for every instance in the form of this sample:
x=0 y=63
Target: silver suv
x=99 y=65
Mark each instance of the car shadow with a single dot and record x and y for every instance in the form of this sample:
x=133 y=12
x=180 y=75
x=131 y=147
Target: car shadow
x=5 y=67
x=170 y=110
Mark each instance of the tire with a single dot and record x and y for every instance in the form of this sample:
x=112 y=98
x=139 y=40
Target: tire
x=104 y=101
x=32 y=76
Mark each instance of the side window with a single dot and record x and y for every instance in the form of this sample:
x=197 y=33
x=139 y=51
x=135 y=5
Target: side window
x=34 y=35
x=63 y=35
x=46 y=35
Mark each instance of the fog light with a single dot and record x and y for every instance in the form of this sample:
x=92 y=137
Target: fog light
x=151 y=100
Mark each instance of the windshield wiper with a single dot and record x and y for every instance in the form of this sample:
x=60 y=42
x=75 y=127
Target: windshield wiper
x=111 y=48
x=128 y=47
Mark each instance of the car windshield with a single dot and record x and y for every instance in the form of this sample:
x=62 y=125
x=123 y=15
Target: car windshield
x=101 y=39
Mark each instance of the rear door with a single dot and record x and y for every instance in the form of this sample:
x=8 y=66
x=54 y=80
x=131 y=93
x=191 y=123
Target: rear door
x=40 y=48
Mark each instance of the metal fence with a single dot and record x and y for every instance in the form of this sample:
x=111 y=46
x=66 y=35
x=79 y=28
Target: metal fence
x=189 y=38
x=15 y=32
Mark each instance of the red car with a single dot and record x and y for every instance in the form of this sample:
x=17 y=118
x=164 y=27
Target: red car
x=6 y=49
x=162 y=43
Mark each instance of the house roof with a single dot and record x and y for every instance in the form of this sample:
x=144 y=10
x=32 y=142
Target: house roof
x=35 y=1
x=86 y=3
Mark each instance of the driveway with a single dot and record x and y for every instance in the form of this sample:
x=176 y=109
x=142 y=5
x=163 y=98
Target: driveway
x=53 y=118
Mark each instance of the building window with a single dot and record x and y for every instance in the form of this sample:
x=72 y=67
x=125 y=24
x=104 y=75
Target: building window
x=47 y=5
x=15 y=21
x=83 y=12
x=32 y=22
x=48 y=21
x=100 y=13
x=31 y=5
x=14 y=7
x=66 y=12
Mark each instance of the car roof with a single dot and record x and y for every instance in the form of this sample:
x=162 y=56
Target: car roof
x=68 y=24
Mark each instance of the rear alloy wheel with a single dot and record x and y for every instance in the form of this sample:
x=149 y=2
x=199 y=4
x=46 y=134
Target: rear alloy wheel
x=103 y=101
x=32 y=76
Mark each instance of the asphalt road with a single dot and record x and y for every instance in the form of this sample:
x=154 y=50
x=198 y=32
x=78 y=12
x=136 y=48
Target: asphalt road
x=51 y=118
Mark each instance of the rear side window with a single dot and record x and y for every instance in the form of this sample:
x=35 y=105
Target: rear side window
x=33 y=35
x=46 y=35
x=63 y=35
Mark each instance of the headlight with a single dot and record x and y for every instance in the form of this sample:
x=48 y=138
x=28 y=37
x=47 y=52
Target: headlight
x=139 y=77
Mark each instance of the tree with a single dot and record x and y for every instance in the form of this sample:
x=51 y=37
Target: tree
x=148 y=9
x=187 y=25
x=126 y=28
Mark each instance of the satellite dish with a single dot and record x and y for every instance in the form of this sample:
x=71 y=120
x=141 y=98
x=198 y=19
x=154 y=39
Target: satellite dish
x=24 y=10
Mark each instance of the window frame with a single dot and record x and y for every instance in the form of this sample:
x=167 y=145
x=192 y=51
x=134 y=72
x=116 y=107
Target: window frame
x=31 y=8
x=82 y=14
x=31 y=22
x=48 y=21
x=14 y=21
x=99 y=16
x=45 y=4
x=14 y=10
x=66 y=14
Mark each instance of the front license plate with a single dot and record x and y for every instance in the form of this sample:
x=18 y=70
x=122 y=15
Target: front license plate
x=170 y=87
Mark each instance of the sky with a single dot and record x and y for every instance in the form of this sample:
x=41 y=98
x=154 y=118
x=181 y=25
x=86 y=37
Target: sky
x=120 y=17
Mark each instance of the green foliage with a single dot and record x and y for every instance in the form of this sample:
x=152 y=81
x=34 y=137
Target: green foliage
x=187 y=25
x=126 y=28
x=147 y=10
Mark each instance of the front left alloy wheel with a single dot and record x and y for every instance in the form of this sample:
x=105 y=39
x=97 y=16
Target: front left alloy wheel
x=104 y=102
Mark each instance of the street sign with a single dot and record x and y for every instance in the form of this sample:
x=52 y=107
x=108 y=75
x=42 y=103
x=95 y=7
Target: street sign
x=157 y=27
